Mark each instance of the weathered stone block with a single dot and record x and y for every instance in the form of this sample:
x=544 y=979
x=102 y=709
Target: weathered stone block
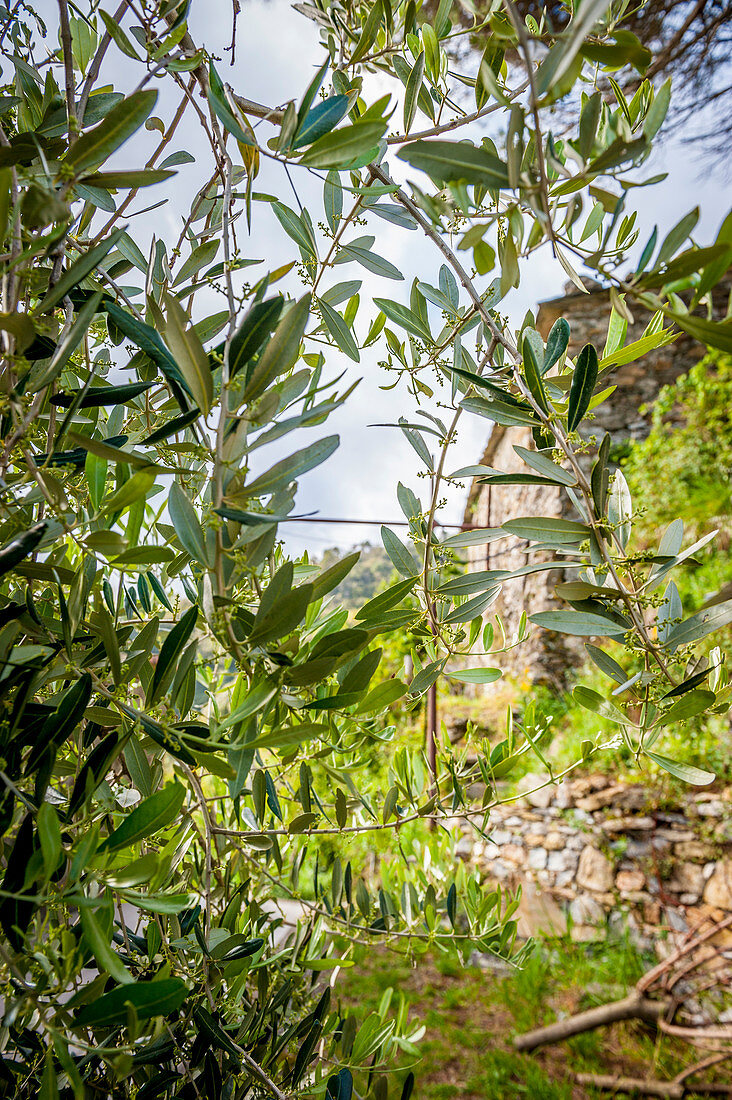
x=595 y=872
x=718 y=890
x=629 y=881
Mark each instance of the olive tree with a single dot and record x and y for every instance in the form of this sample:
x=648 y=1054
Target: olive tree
x=187 y=712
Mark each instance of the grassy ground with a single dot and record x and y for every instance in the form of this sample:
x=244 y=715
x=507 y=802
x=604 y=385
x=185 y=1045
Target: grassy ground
x=472 y=1015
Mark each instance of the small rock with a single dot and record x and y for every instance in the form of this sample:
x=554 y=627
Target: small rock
x=514 y=853
x=585 y=910
x=633 y=798
x=676 y=920
x=513 y=822
x=537 y=859
x=553 y=842
x=540 y=799
x=628 y=824
x=576 y=843
x=464 y=848
x=539 y=913
x=595 y=871
x=556 y=861
x=534 y=840
x=563 y=796
x=591 y=803
x=500 y=836
x=692 y=850
x=595 y=782
x=638 y=849
x=688 y=878
x=708 y=869
x=630 y=881
x=714 y=808
x=676 y=836
x=718 y=890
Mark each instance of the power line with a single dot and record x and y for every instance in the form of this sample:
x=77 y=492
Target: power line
x=374 y=522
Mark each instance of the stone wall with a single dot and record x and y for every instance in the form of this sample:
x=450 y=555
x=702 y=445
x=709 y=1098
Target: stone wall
x=591 y=850
x=546 y=657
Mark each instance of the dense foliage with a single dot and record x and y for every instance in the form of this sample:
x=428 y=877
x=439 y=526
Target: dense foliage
x=187 y=714
x=685 y=462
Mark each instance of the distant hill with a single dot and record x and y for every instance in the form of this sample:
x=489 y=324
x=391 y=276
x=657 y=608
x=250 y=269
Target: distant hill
x=370 y=573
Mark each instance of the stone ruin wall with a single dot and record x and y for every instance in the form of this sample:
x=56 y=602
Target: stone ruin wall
x=545 y=657
x=591 y=851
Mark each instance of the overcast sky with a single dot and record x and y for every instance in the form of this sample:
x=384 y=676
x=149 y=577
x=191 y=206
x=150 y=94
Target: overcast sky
x=277 y=52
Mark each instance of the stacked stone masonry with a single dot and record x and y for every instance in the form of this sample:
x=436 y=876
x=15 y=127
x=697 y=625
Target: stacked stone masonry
x=591 y=850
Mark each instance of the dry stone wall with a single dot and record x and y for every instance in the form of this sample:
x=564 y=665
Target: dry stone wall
x=593 y=850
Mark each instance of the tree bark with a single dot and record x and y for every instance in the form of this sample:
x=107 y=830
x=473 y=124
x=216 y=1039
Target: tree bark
x=629 y=1008
x=669 y=1090
x=636 y=1086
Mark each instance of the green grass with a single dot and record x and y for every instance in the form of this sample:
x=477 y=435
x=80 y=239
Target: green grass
x=472 y=1015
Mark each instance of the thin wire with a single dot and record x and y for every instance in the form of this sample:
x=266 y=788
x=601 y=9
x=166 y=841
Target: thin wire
x=374 y=522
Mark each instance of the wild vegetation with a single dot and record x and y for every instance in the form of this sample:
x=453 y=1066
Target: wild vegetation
x=190 y=722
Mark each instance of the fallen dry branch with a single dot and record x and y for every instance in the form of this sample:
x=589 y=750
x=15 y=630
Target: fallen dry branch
x=633 y=1007
x=669 y=1090
x=691 y=943
x=636 y=1086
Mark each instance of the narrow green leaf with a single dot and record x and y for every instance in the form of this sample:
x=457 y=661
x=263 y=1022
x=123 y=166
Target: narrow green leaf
x=556 y=344
x=187 y=524
x=288 y=469
x=149 y=999
x=189 y=354
x=342 y=148
x=170 y=651
x=321 y=120
x=227 y=114
x=339 y=330
x=369 y=31
x=282 y=351
x=95 y=146
x=578 y=623
x=592 y=700
x=258 y=324
x=414 y=83
x=584 y=380
x=548 y=530
x=687 y=773
x=402 y=558
x=533 y=375
x=545 y=466
x=476 y=675
x=99 y=944
x=152 y=815
x=688 y=706
x=450 y=161
x=700 y=625
x=404 y=317
x=372 y=262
